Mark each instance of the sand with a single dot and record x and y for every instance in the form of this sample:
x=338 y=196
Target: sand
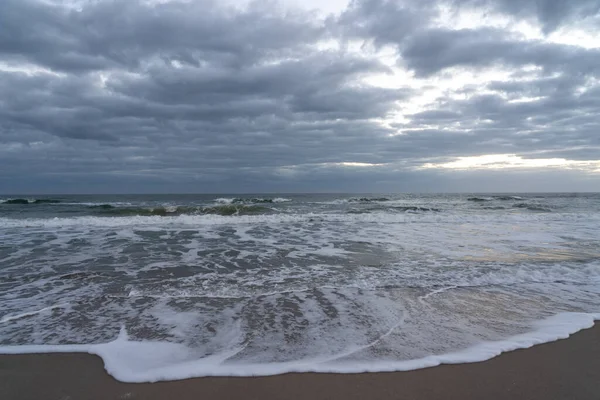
x=566 y=369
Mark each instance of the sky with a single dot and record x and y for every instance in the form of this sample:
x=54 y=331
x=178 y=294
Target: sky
x=202 y=96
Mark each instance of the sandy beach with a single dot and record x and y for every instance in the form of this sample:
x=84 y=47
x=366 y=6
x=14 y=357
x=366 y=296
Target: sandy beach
x=565 y=369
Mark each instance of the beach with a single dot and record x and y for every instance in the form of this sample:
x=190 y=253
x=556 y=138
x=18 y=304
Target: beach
x=564 y=369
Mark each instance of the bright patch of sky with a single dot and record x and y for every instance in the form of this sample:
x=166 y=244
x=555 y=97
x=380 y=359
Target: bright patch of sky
x=503 y=161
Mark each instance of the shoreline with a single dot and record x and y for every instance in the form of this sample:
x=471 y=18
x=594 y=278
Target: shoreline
x=564 y=369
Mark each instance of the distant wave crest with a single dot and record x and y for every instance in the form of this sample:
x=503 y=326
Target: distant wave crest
x=494 y=198
x=367 y=199
x=29 y=201
x=252 y=200
x=167 y=211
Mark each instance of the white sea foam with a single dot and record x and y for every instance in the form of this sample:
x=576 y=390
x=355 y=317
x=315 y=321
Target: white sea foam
x=225 y=200
x=95 y=203
x=336 y=277
x=231 y=200
x=13 y=317
x=148 y=361
x=436 y=291
x=29 y=200
x=183 y=220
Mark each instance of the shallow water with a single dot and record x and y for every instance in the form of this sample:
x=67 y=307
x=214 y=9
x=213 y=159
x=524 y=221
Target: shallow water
x=260 y=284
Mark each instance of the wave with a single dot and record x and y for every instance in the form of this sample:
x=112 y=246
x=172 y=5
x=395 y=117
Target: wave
x=102 y=207
x=413 y=209
x=525 y=206
x=127 y=360
x=253 y=200
x=8 y=318
x=169 y=211
x=367 y=199
x=404 y=209
x=29 y=201
x=476 y=276
x=278 y=218
x=494 y=198
x=508 y=198
x=363 y=200
x=532 y=207
x=479 y=199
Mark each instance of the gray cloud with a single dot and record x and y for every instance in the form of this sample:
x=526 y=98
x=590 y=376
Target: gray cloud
x=551 y=14
x=436 y=49
x=192 y=96
x=109 y=34
x=384 y=21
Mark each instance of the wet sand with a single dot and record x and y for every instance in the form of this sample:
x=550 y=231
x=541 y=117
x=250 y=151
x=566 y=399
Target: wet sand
x=567 y=369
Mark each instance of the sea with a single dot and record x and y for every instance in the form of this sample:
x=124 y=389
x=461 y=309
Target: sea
x=167 y=287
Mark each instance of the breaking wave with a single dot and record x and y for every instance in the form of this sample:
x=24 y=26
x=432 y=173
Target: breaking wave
x=480 y=199
x=29 y=201
x=168 y=211
x=494 y=198
x=532 y=207
x=394 y=209
x=253 y=200
x=367 y=199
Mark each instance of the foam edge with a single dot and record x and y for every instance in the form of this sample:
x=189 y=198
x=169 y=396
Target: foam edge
x=138 y=361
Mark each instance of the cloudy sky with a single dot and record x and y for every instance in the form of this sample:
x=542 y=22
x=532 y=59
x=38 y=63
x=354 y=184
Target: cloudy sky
x=293 y=96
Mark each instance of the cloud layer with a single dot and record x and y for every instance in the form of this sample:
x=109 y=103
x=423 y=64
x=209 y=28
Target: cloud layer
x=197 y=96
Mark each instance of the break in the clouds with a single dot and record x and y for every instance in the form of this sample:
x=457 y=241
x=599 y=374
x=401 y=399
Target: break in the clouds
x=206 y=96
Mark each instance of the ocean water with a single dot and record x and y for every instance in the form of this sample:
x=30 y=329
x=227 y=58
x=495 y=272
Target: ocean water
x=175 y=286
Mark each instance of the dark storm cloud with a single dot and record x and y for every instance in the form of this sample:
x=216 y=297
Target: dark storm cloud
x=195 y=96
x=435 y=49
x=554 y=118
x=384 y=21
x=427 y=48
x=110 y=34
x=550 y=13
